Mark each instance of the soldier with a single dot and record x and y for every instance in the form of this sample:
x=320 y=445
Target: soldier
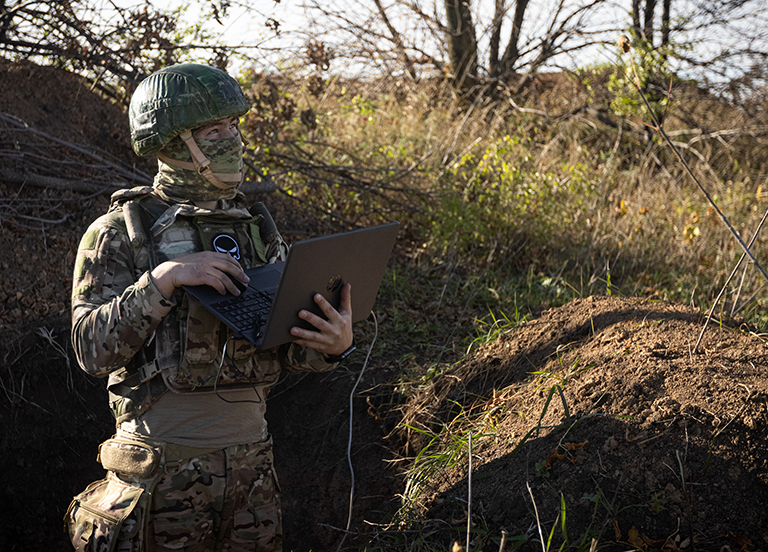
x=190 y=465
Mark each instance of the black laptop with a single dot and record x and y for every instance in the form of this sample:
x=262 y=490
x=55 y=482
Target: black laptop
x=268 y=308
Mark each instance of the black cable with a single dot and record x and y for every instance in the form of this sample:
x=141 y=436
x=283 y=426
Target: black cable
x=218 y=374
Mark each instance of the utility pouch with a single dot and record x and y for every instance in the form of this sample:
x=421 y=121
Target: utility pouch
x=129 y=458
x=98 y=518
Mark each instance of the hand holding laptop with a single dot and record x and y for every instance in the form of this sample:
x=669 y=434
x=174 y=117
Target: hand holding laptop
x=334 y=335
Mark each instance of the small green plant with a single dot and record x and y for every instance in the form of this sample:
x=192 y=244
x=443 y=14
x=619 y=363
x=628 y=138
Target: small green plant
x=656 y=505
x=542 y=469
x=490 y=331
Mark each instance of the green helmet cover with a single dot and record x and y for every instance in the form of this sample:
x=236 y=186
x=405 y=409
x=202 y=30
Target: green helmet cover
x=181 y=98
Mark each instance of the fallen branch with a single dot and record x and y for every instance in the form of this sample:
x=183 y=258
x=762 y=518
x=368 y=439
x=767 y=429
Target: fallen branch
x=40 y=181
x=20 y=126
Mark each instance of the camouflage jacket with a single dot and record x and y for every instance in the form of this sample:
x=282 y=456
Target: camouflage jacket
x=122 y=326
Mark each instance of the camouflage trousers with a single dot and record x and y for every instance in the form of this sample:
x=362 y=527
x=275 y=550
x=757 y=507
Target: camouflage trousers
x=227 y=500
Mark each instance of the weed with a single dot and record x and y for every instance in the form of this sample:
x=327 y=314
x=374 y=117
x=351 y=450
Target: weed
x=656 y=505
x=542 y=469
x=498 y=325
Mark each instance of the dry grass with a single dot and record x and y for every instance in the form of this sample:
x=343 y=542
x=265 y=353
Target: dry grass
x=575 y=192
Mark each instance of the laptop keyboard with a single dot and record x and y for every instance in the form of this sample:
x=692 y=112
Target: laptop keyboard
x=248 y=311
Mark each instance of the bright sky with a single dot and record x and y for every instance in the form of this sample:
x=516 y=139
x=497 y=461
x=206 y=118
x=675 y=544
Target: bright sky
x=246 y=25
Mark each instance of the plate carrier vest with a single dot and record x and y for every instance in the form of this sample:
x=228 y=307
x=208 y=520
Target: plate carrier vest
x=184 y=355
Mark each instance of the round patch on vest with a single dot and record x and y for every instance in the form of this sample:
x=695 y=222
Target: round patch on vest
x=224 y=243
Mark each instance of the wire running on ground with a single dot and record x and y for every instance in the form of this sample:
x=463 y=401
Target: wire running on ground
x=351 y=417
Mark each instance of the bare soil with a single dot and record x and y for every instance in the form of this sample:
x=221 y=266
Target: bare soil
x=648 y=445
x=643 y=444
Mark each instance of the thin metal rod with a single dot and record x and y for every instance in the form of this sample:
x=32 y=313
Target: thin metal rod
x=738 y=291
x=728 y=281
x=469 y=492
x=722 y=216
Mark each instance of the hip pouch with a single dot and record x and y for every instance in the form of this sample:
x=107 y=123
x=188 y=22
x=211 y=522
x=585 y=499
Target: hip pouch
x=104 y=514
x=115 y=510
x=129 y=458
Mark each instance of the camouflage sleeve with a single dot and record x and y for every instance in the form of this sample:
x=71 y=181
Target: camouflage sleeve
x=113 y=310
x=296 y=358
x=277 y=249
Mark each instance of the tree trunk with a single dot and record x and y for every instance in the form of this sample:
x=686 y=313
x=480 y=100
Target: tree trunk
x=462 y=44
x=636 y=19
x=665 y=27
x=650 y=7
x=512 y=53
x=498 y=18
x=5 y=21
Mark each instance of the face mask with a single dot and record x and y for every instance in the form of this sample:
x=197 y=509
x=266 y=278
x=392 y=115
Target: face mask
x=177 y=178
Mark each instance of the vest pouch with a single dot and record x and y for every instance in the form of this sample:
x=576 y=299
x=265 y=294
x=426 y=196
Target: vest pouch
x=106 y=514
x=201 y=365
x=238 y=238
x=245 y=361
x=200 y=349
x=203 y=335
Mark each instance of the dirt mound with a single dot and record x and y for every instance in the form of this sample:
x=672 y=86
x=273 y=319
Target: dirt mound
x=623 y=434
x=58 y=103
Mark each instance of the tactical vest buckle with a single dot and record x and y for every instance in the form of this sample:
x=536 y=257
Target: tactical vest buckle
x=149 y=370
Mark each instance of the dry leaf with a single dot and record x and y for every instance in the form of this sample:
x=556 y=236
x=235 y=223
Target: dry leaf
x=624 y=43
x=616 y=529
x=653 y=542
x=554 y=457
x=742 y=541
x=635 y=540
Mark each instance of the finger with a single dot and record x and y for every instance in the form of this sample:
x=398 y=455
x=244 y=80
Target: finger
x=230 y=283
x=211 y=280
x=308 y=338
x=324 y=305
x=210 y=275
x=229 y=264
x=318 y=322
x=345 y=307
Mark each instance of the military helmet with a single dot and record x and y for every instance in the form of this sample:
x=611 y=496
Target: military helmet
x=178 y=99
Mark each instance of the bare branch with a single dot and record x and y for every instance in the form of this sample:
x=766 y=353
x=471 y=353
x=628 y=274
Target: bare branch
x=397 y=40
